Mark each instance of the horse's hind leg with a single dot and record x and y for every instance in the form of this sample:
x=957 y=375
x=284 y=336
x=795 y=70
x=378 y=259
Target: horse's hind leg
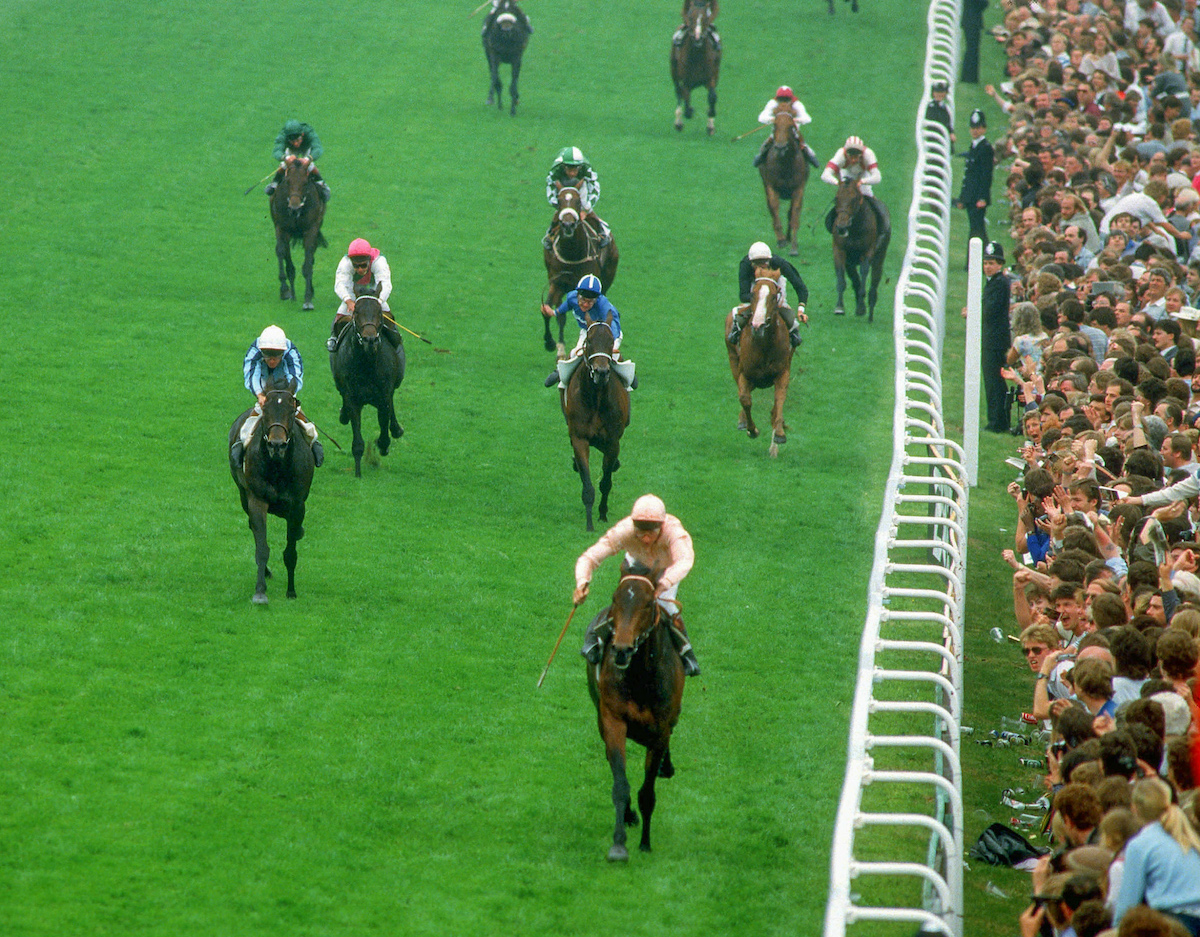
x=744 y=398
x=646 y=798
x=585 y=477
x=561 y=348
x=358 y=447
x=794 y=205
x=858 y=279
x=712 y=109
x=295 y=530
x=383 y=412
x=287 y=270
x=773 y=210
x=262 y=552
x=310 y=251
x=839 y=270
x=611 y=464
x=513 y=94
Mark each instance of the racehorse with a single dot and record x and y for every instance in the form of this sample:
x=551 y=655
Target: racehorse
x=574 y=252
x=784 y=174
x=638 y=691
x=761 y=358
x=596 y=406
x=695 y=62
x=297 y=209
x=274 y=478
x=504 y=40
x=367 y=370
x=860 y=243
x=853 y=6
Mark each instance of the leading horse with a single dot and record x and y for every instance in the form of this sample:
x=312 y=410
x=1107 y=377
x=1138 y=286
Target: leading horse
x=695 y=62
x=274 y=478
x=367 y=370
x=596 y=406
x=297 y=210
x=762 y=358
x=784 y=173
x=574 y=251
x=505 y=36
x=860 y=243
x=638 y=691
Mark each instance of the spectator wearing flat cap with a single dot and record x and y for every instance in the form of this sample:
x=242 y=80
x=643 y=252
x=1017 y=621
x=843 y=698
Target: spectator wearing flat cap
x=976 y=192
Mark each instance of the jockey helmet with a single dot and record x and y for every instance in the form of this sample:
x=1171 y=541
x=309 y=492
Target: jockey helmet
x=589 y=286
x=855 y=143
x=785 y=94
x=293 y=128
x=361 y=247
x=570 y=156
x=648 y=508
x=759 y=251
x=272 y=339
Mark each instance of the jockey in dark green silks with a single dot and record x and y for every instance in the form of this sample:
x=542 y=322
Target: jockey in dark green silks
x=571 y=169
x=298 y=141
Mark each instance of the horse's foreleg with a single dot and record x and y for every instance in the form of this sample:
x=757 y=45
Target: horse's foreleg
x=358 y=447
x=688 y=112
x=561 y=348
x=858 y=279
x=611 y=464
x=257 y=513
x=876 y=275
x=383 y=410
x=744 y=399
x=614 y=744
x=839 y=271
x=712 y=109
x=585 y=476
x=646 y=798
x=773 y=208
x=295 y=530
x=494 y=89
x=310 y=252
x=512 y=87
x=778 y=428
x=287 y=270
x=794 y=206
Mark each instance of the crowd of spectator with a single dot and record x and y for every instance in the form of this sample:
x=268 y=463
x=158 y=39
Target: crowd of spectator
x=1102 y=153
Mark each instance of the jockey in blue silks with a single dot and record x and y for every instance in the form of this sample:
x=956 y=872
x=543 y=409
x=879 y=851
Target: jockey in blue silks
x=584 y=302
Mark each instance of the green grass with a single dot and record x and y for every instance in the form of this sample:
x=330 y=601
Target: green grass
x=374 y=757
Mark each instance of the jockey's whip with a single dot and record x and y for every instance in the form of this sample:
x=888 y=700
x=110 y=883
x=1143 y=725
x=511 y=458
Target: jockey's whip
x=476 y=10
x=260 y=182
x=330 y=438
x=747 y=133
x=407 y=329
x=556 y=644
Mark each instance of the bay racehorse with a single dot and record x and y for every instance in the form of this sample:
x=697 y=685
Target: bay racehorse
x=638 y=691
x=596 y=406
x=695 y=63
x=274 y=478
x=297 y=209
x=505 y=35
x=574 y=251
x=762 y=358
x=860 y=243
x=366 y=371
x=784 y=173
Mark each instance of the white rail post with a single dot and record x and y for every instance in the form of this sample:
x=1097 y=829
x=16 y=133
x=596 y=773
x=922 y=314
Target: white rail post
x=973 y=357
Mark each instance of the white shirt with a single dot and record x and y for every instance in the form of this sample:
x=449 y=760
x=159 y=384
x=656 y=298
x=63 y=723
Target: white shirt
x=867 y=173
x=767 y=116
x=343 y=281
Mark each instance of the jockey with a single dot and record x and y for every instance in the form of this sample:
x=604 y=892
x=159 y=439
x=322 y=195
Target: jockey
x=298 y=141
x=515 y=10
x=855 y=160
x=714 y=7
x=761 y=262
x=584 y=301
x=571 y=168
x=272 y=356
x=363 y=266
x=785 y=98
x=656 y=546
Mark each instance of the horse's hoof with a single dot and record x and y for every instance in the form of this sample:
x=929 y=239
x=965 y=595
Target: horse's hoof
x=291 y=593
x=711 y=130
x=741 y=423
x=794 y=251
x=753 y=432
x=259 y=598
x=781 y=244
x=839 y=311
x=860 y=311
x=644 y=847
x=618 y=854
x=679 y=125
x=397 y=431
x=779 y=438
x=308 y=306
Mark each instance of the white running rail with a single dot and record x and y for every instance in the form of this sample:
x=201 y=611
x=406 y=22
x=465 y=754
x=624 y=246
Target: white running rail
x=897 y=852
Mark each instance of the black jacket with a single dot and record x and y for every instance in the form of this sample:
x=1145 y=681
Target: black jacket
x=746 y=278
x=977 y=177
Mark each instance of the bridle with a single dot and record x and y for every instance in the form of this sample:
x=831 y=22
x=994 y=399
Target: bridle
x=589 y=358
x=645 y=633
x=358 y=335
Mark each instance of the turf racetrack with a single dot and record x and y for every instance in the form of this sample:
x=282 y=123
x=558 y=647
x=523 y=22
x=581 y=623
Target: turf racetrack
x=373 y=757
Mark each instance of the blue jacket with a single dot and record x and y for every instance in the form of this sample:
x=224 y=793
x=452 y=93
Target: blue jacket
x=256 y=372
x=599 y=312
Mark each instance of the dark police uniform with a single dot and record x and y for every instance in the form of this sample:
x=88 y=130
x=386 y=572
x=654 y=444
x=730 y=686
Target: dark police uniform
x=996 y=340
x=977 y=180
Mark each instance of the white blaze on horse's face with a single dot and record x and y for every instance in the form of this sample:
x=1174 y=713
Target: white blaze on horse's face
x=699 y=27
x=506 y=21
x=760 y=306
x=568 y=217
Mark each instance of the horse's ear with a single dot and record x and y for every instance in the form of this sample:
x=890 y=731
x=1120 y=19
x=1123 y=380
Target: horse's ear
x=292 y=387
x=587 y=318
x=608 y=318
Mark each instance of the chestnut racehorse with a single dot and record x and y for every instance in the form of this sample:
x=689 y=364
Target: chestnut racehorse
x=574 y=251
x=784 y=174
x=638 y=691
x=761 y=358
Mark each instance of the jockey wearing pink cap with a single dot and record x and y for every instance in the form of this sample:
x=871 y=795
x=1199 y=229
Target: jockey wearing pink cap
x=785 y=98
x=363 y=266
x=656 y=546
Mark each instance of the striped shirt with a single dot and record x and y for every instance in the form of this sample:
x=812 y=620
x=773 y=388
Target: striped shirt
x=257 y=374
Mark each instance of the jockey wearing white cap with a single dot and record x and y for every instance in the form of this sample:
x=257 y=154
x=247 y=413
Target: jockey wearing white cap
x=760 y=261
x=656 y=546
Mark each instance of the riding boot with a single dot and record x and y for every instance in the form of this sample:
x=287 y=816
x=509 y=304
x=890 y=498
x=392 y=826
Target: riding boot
x=597 y=635
x=335 y=335
x=318 y=453
x=236 y=452
x=551 y=378
x=811 y=157
x=762 y=152
x=735 y=330
x=325 y=190
x=605 y=234
x=274 y=183
x=548 y=240
x=691 y=667
x=794 y=334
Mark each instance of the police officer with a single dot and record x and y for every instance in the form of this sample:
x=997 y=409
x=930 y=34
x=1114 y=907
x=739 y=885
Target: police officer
x=995 y=337
x=976 y=192
x=937 y=111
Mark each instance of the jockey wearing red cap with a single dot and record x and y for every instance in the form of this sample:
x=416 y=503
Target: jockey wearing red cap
x=785 y=98
x=656 y=546
x=363 y=266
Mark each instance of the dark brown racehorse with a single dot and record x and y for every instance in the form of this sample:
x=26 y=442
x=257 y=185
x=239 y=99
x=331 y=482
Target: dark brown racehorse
x=297 y=209
x=784 y=174
x=367 y=371
x=696 y=62
x=761 y=358
x=505 y=36
x=860 y=243
x=638 y=691
x=574 y=252
x=274 y=478
x=596 y=405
